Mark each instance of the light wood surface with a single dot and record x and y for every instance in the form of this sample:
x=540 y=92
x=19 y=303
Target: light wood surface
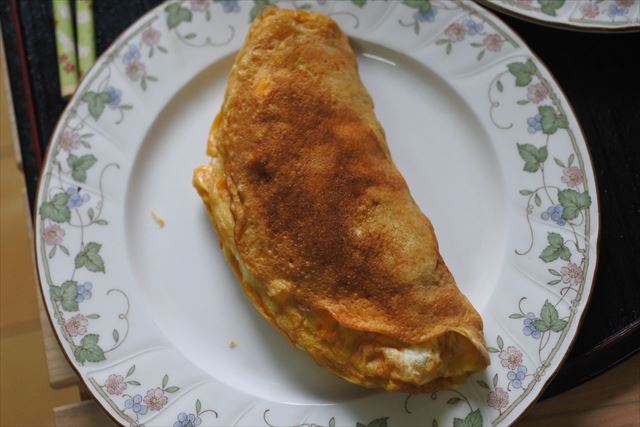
x=83 y=414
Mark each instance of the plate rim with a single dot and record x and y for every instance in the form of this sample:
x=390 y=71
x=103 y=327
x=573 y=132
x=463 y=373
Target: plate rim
x=588 y=28
x=489 y=10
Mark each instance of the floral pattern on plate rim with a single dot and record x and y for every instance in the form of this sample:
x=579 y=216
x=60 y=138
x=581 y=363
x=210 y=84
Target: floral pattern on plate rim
x=565 y=203
x=605 y=13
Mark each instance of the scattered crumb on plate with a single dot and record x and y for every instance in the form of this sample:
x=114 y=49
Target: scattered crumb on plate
x=232 y=344
x=157 y=218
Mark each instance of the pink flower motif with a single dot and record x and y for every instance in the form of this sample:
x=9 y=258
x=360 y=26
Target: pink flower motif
x=511 y=358
x=199 y=5
x=151 y=36
x=77 y=325
x=625 y=3
x=69 y=140
x=571 y=274
x=589 y=10
x=135 y=70
x=537 y=93
x=493 y=42
x=455 y=32
x=53 y=235
x=115 y=384
x=498 y=399
x=155 y=399
x=572 y=176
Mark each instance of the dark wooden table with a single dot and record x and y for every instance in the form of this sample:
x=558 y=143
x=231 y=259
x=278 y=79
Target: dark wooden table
x=600 y=74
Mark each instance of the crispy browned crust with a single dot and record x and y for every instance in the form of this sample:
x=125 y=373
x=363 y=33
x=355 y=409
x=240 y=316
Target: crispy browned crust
x=319 y=223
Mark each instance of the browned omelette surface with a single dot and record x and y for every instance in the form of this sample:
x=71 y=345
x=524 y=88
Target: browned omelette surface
x=318 y=222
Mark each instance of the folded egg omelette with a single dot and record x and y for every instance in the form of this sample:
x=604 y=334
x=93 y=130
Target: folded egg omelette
x=319 y=224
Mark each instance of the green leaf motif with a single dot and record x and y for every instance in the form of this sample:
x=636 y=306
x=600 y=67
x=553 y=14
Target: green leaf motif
x=177 y=14
x=573 y=202
x=495 y=380
x=258 y=7
x=55 y=293
x=500 y=342
x=554 y=272
x=56 y=209
x=540 y=325
x=131 y=370
x=96 y=102
x=522 y=71
x=553 y=282
x=550 y=7
x=549 y=319
x=492 y=350
x=172 y=389
x=459 y=422
x=483 y=384
x=68 y=297
x=89 y=350
x=165 y=380
x=378 y=422
x=80 y=165
x=555 y=240
x=132 y=382
x=537 y=200
x=474 y=419
x=558 y=325
x=199 y=408
x=556 y=249
x=116 y=335
x=92 y=316
x=533 y=157
x=64 y=249
x=90 y=258
x=499 y=86
x=551 y=121
x=516 y=316
x=526 y=192
x=359 y=3
x=423 y=6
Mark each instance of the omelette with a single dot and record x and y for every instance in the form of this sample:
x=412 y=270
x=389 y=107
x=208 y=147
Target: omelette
x=318 y=223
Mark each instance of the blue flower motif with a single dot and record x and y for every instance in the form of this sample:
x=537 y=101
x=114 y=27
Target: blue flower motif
x=230 y=6
x=115 y=95
x=555 y=213
x=426 y=17
x=516 y=377
x=135 y=404
x=529 y=327
x=131 y=55
x=76 y=199
x=83 y=292
x=615 y=10
x=187 y=420
x=473 y=27
x=535 y=123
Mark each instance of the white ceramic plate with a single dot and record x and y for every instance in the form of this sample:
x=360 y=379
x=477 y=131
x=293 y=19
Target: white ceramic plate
x=583 y=15
x=485 y=138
